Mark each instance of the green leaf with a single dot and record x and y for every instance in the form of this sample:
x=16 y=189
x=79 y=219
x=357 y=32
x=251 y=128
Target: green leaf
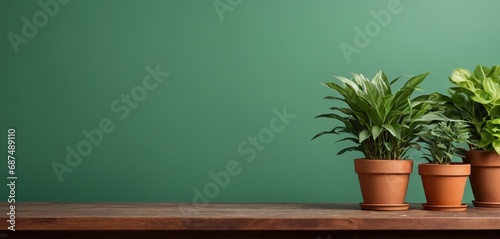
x=389 y=146
x=495 y=121
x=333 y=131
x=363 y=135
x=395 y=80
x=333 y=116
x=481 y=72
x=349 y=83
x=415 y=81
x=402 y=95
x=360 y=80
x=494 y=72
x=394 y=129
x=482 y=97
x=460 y=75
x=376 y=130
x=486 y=140
x=334 y=98
x=346 y=111
x=491 y=88
x=337 y=88
x=381 y=83
x=387 y=84
x=433 y=116
x=352 y=139
x=347 y=150
x=448 y=157
x=496 y=146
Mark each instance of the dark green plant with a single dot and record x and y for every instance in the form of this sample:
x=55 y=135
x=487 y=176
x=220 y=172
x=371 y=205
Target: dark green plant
x=469 y=111
x=477 y=96
x=444 y=140
x=381 y=123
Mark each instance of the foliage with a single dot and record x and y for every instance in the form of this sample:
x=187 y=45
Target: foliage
x=443 y=141
x=381 y=124
x=478 y=94
x=470 y=112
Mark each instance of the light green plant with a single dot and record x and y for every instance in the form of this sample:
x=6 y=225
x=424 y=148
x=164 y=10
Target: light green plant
x=478 y=94
x=444 y=140
x=381 y=124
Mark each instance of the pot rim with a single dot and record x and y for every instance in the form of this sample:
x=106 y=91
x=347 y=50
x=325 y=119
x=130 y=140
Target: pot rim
x=383 y=166
x=457 y=169
x=483 y=158
x=383 y=159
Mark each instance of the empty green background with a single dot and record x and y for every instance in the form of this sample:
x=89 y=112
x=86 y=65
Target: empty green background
x=226 y=77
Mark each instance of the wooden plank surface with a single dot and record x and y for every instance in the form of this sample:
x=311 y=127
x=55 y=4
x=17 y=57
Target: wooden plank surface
x=472 y=234
x=249 y=217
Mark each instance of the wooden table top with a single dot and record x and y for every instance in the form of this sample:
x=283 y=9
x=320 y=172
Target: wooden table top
x=241 y=216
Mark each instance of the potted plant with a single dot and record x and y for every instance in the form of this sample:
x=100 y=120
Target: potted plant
x=383 y=125
x=444 y=181
x=477 y=96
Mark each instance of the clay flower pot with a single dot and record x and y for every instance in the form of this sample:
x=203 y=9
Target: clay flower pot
x=444 y=185
x=484 y=177
x=383 y=183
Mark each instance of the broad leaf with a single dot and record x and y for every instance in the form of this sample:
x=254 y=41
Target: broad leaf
x=460 y=75
x=394 y=129
x=376 y=130
x=363 y=135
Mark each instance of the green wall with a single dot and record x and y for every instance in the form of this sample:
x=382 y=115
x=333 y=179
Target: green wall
x=232 y=73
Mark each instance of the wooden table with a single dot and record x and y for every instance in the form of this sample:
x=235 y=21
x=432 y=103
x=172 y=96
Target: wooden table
x=278 y=220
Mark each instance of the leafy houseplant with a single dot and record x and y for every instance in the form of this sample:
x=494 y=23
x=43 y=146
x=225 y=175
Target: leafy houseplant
x=383 y=124
x=444 y=181
x=482 y=100
x=477 y=94
x=442 y=140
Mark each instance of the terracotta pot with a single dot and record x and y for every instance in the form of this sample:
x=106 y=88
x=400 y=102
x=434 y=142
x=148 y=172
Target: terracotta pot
x=485 y=177
x=383 y=183
x=444 y=185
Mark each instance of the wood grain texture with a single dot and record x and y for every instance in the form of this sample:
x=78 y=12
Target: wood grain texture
x=253 y=234
x=248 y=217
